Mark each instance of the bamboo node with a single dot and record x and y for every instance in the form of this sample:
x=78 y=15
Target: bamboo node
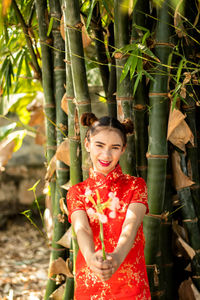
x=156 y=273
x=158 y=94
x=79 y=25
x=48 y=105
x=80 y=102
x=171 y=45
x=124 y=98
x=67 y=61
x=164 y=156
x=190 y=220
x=139 y=107
x=50 y=147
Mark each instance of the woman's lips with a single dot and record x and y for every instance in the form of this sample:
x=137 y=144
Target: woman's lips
x=104 y=163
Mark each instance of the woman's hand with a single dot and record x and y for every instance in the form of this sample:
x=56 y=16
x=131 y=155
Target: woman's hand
x=102 y=268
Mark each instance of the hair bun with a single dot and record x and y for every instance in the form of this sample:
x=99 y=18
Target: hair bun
x=128 y=125
x=87 y=119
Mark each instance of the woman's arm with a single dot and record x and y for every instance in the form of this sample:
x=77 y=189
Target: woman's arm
x=134 y=217
x=84 y=234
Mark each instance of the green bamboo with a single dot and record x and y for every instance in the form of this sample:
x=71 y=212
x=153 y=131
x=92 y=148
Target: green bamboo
x=157 y=149
x=111 y=97
x=75 y=158
x=140 y=100
x=124 y=89
x=190 y=222
x=81 y=91
x=167 y=265
x=100 y=47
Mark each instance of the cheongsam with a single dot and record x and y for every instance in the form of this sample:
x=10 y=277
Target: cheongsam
x=130 y=280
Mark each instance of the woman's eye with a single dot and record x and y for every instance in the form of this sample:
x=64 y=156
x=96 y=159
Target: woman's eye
x=116 y=148
x=100 y=146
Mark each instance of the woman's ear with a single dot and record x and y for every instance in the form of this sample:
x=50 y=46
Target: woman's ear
x=123 y=149
x=87 y=145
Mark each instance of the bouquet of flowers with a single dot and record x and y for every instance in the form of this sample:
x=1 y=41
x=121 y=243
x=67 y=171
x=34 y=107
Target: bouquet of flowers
x=97 y=211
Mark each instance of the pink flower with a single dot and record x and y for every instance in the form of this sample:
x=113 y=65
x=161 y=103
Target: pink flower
x=88 y=193
x=112 y=214
x=102 y=218
x=91 y=211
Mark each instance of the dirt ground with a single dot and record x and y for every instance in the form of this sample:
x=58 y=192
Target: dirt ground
x=24 y=259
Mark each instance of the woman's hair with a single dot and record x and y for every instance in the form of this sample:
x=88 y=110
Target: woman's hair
x=95 y=125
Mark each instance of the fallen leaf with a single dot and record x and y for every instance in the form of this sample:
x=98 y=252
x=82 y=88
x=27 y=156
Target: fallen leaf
x=51 y=168
x=58 y=293
x=59 y=266
x=64 y=104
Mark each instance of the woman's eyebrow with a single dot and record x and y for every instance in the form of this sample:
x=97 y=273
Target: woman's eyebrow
x=115 y=145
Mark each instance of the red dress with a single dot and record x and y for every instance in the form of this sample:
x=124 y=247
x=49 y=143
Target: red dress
x=130 y=280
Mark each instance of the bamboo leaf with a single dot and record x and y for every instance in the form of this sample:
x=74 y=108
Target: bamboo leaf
x=143 y=49
x=148 y=75
x=134 y=64
x=139 y=76
x=28 y=71
x=6 y=130
x=145 y=36
x=33 y=188
x=50 y=26
x=180 y=67
x=92 y=5
x=139 y=65
x=126 y=68
x=20 y=66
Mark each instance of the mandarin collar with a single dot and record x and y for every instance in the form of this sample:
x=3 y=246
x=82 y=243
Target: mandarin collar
x=101 y=179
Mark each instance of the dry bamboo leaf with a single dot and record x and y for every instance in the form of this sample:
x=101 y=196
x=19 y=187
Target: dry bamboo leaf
x=179 y=178
x=65 y=240
x=190 y=251
x=58 y=266
x=64 y=104
x=179 y=133
x=51 y=168
x=175 y=118
x=58 y=293
x=6 y=150
x=63 y=207
x=62 y=152
x=195 y=291
x=120 y=111
x=37 y=117
x=40 y=138
x=66 y=186
x=185 y=290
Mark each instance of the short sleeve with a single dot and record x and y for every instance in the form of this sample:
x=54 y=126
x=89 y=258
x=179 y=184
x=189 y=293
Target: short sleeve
x=74 y=200
x=140 y=193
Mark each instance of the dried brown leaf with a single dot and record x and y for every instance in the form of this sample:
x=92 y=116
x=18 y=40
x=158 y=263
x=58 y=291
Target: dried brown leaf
x=186 y=292
x=66 y=186
x=51 y=168
x=65 y=240
x=63 y=207
x=59 y=266
x=58 y=293
x=62 y=152
x=6 y=150
x=179 y=178
x=64 y=104
x=179 y=133
x=40 y=138
x=37 y=117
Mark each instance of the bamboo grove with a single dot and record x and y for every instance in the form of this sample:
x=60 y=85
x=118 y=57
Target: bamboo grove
x=146 y=57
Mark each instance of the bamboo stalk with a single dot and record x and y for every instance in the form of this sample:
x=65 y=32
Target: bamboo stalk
x=100 y=48
x=140 y=101
x=111 y=97
x=81 y=91
x=190 y=222
x=157 y=150
x=124 y=89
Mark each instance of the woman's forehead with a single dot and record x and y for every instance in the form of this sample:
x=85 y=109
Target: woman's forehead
x=107 y=134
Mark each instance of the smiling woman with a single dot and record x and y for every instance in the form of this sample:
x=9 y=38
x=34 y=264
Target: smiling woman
x=106 y=211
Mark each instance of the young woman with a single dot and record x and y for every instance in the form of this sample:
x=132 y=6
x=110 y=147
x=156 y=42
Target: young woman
x=122 y=275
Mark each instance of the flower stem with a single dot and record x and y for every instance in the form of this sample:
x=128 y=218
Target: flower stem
x=102 y=240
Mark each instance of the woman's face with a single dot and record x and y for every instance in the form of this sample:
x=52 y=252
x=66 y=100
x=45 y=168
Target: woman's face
x=105 y=149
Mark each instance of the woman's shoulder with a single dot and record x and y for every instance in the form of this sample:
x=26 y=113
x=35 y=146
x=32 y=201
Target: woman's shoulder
x=133 y=180
x=78 y=188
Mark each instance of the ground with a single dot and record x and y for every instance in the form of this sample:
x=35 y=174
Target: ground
x=24 y=259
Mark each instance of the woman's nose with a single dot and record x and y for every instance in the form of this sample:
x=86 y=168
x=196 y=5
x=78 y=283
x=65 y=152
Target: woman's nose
x=106 y=152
